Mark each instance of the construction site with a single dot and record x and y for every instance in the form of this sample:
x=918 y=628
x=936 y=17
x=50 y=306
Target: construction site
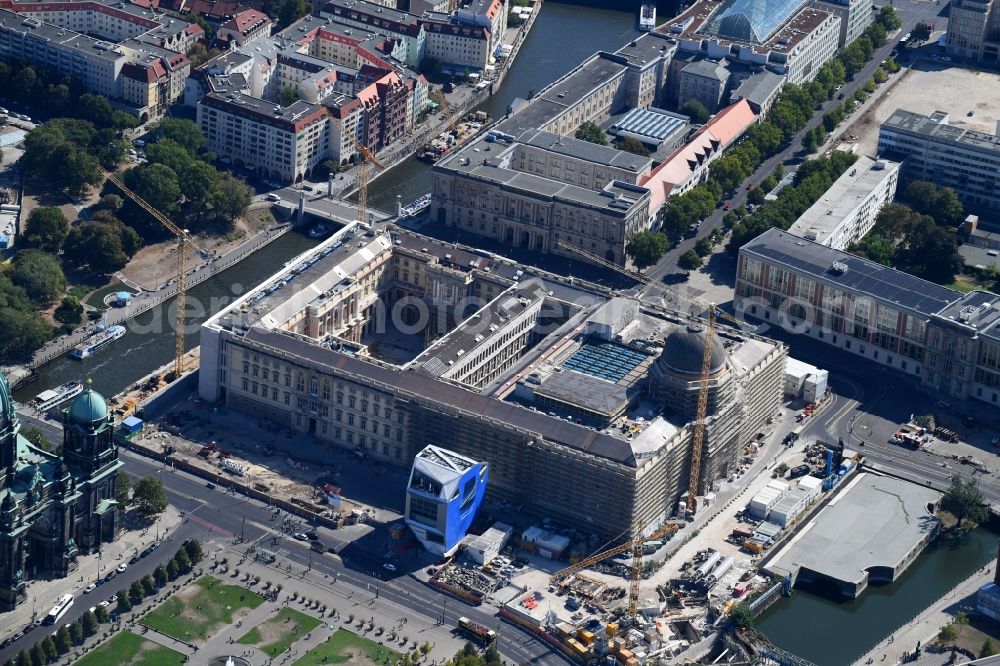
x=682 y=428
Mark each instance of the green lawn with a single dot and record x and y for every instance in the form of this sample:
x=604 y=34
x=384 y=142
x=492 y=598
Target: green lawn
x=205 y=605
x=343 y=645
x=279 y=631
x=129 y=649
x=96 y=297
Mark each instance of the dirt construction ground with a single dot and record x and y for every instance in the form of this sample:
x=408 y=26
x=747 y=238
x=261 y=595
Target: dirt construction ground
x=956 y=91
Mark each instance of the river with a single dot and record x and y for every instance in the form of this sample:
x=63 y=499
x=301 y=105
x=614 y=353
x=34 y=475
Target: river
x=831 y=633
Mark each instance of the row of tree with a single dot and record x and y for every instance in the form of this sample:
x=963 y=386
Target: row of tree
x=53 y=94
x=69 y=153
x=788 y=115
x=149 y=495
x=811 y=181
x=52 y=648
x=917 y=238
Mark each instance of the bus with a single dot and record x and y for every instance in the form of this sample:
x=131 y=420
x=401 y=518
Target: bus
x=476 y=630
x=63 y=605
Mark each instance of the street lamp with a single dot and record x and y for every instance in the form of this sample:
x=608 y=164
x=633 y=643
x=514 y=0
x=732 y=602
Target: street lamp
x=99 y=554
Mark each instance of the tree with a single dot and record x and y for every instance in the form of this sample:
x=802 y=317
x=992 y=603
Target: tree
x=172 y=571
x=289 y=96
x=89 y=623
x=588 y=131
x=111 y=202
x=231 y=198
x=150 y=496
x=157 y=185
x=781 y=469
x=135 y=593
x=45 y=229
x=182 y=561
x=38 y=655
x=70 y=311
x=742 y=617
x=194 y=551
x=930 y=252
x=63 y=640
x=170 y=153
x=160 y=575
x=888 y=18
x=123 y=488
x=21 y=332
x=948 y=634
x=102 y=615
x=37 y=437
x=703 y=247
x=148 y=585
x=689 y=260
x=76 y=632
x=987 y=650
x=49 y=648
x=291 y=11
x=696 y=111
x=39 y=274
x=183 y=132
x=875 y=247
x=634 y=146
x=104 y=244
x=199 y=182
x=95 y=108
x=124 y=605
x=645 y=248
x=23 y=658
x=965 y=501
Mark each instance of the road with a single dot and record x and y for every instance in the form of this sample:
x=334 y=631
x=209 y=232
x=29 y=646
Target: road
x=910 y=12
x=213 y=513
x=869 y=404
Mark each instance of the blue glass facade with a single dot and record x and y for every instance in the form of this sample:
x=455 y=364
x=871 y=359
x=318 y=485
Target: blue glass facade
x=444 y=493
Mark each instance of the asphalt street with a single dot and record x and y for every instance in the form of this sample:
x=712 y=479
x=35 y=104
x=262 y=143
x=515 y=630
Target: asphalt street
x=910 y=12
x=213 y=513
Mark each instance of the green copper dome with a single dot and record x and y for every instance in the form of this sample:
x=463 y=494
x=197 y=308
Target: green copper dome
x=88 y=407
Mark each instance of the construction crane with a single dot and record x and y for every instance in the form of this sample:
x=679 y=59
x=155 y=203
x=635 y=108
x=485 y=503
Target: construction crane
x=368 y=160
x=184 y=241
x=635 y=546
x=443 y=103
x=701 y=414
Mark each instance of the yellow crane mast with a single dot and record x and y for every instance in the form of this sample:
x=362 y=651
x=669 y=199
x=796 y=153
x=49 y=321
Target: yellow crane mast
x=701 y=414
x=635 y=547
x=368 y=160
x=184 y=240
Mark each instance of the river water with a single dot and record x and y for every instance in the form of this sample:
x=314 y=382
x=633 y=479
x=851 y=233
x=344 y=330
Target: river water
x=829 y=633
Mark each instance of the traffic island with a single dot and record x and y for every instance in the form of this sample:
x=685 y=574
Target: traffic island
x=197 y=611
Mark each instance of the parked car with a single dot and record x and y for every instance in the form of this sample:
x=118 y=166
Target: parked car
x=389 y=566
x=300 y=536
x=90 y=588
x=313 y=535
x=121 y=568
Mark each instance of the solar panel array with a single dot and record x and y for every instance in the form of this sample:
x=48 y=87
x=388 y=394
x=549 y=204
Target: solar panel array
x=605 y=360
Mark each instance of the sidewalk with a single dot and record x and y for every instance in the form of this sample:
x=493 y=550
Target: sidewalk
x=925 y=626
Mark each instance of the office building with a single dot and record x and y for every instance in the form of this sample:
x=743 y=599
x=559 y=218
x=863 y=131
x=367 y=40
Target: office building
x=704 y=81
x=847 y=211
x=444 y=493
x=385 y=343
x=972 y=31
x=55 y=507
x=932 y=149
x=947 y=339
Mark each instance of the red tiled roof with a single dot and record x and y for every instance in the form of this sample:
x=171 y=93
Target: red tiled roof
x=243 y=21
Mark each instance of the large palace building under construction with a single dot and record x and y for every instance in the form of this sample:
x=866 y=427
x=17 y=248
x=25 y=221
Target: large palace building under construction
x=386 y=342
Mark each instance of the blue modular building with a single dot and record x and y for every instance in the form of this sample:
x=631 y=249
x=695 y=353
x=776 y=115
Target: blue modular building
x=442 y=497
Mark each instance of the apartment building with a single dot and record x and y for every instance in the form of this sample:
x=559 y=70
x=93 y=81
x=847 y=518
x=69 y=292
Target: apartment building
x=399 y=25
x=284 y=143
x=974 y=30
x=245 y=27
x=847 y=211
x=123 y=52
x=949 y=340
x=932 y=149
